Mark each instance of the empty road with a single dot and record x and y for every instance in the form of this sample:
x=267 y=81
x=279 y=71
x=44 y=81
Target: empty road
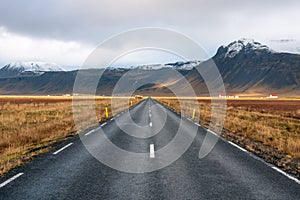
x=71 y=172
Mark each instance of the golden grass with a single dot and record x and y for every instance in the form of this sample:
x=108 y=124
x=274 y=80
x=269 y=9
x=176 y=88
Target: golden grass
x=274 y=123
x=29 y=124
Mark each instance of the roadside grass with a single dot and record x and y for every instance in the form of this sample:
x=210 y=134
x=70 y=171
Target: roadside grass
x=30 y=125
x=274 y=123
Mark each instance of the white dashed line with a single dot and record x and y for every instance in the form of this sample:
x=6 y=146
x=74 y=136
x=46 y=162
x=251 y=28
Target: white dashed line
x=103 y=124
x=197 y=124
x=259 y=159
x=10 y=180
x=285 y=174
x=212 y=132
x=111 y=119
x=89 y=132
x=152 y=154
x=150 y=124
x=237 y=146
x=61 y=149
x=249 y=153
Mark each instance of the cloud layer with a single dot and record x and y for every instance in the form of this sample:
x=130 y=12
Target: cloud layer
x=64 y=31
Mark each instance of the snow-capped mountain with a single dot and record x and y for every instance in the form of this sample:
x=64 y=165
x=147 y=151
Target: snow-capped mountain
x=184 y=65
x=234 y=48
x=28 y=69
x=181 y=65
x=249 y=66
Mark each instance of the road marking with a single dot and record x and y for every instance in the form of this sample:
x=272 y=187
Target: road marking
x=61 y=149
x=197 y=124
x=259 y=159
x=237 y=146
x=285 y=174
x=89 y=132
x=111 y=119
x=150 y=124
x=212 y=132
x=103 y=124
x=10 y=180
x=244 y=150
x=152 y=154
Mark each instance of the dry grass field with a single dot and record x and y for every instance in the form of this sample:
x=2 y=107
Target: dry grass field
x=262 y=126
x=29 y=125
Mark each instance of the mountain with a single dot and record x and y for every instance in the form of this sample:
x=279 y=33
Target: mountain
x=250 y=67
x=246 y=67
x=181 y=65
x=28 y=69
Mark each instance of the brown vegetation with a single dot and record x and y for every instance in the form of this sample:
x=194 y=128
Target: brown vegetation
x=28 y=125
x=261 y=126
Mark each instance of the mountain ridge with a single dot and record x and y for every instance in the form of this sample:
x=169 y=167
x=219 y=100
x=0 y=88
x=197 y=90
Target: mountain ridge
x=246 y=66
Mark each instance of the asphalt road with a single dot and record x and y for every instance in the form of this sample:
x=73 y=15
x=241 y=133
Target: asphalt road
x=73 y=173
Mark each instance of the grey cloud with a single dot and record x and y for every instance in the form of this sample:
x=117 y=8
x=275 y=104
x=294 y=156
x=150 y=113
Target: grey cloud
x=211 y=23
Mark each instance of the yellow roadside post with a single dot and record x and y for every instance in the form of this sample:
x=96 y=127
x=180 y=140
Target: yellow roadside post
x=193 y=116
x=106 y=112
x=169 y=103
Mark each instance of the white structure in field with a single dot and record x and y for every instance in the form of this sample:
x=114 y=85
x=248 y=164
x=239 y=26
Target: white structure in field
x=222 y=96
x=232 y=96
x=273 y=96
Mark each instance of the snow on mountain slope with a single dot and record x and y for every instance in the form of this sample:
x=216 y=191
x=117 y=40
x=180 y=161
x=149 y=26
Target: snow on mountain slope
x=235 y=47
x=184 y=65
x=28 y=69
x=33 y=67
x=181 y=65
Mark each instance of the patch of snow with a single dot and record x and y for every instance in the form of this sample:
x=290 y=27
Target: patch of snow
x=33 y=67
x=184 y=65
x=148 y=67
x=180 y=65
x=235 y=47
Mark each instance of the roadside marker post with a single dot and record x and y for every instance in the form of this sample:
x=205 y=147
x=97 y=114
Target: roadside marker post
x=169 y=104
x=194 y=112
x=106 y=112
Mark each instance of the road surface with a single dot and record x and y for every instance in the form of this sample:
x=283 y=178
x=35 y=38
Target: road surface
x=71 y=172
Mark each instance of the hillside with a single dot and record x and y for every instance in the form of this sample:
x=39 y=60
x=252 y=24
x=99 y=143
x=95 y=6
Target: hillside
x=246 y=67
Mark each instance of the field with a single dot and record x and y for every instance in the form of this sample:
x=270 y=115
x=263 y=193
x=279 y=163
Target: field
x=268 y=128
x=29 y=125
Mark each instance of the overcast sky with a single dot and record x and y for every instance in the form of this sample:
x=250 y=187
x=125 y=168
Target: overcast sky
x=67 y=31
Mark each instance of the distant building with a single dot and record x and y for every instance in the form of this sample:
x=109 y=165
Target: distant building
x=232 y=96
x=273 y=96
x=222 y=96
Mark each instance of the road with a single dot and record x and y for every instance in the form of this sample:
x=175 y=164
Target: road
x=71 y=172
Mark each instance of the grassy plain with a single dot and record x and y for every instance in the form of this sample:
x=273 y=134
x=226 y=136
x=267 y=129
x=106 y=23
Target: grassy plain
x=269 y=128
x=30 y=124
x=273 y=122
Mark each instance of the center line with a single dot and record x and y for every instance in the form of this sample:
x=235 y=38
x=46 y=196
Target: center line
x=152 y=155
x=56 y=152
x=150 y=124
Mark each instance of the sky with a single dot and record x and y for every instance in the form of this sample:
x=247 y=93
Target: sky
x=67 y=31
